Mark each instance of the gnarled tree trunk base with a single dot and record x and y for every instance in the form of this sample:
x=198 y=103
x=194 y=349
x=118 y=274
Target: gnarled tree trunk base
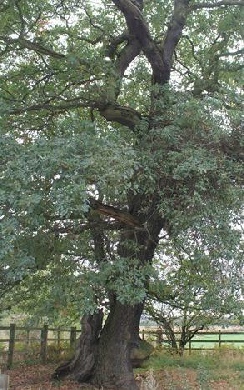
x=105 y=357
x=81 y=366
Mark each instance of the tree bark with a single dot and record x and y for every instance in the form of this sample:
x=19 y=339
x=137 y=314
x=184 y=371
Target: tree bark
x=118 y=338
x=103 y=357
x=81 y=366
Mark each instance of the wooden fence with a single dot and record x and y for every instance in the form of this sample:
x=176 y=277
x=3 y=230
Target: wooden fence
x=20 y=340
x=220 y=338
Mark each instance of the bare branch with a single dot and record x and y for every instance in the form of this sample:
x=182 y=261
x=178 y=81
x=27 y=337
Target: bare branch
x=233 y=53
x=92 y=23
x=192 y=49
x=217 y=4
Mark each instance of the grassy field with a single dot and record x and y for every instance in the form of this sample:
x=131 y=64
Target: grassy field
x=203 y=370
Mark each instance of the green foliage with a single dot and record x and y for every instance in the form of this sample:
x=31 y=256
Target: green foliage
x=69 y=85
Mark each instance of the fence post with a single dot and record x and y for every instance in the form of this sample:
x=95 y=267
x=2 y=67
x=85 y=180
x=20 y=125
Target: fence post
x=59 y=337
x=72 y=340
x=43 y=353
x=160 y=336
x=219 y=339
x=4 y=382
x=11 y=345
x=143 y=334
x=27 y=337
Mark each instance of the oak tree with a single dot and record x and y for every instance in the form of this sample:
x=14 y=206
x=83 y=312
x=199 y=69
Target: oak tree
x=120 y=124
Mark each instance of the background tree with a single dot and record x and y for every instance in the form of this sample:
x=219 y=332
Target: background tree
x=192 y=291
x=118 y=119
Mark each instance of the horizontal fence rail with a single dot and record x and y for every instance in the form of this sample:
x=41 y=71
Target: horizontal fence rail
x=21 y=340
x=217 y=339
x=16 y=342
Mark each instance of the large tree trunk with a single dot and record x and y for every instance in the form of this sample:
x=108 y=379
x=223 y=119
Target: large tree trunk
x=118 y=338
x=104 y=355
x=103 y=359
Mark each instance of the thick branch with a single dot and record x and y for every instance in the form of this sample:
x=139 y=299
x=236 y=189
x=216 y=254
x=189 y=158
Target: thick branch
x=37 y=47
x=115 y=42
x=124 y=115
x=174 y=32
x=115 y=113
x=119 y=215
x=160 y=59
x=127 y=55
x=139 y=29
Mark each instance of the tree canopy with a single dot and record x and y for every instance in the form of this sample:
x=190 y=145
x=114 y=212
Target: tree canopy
x=120 y=126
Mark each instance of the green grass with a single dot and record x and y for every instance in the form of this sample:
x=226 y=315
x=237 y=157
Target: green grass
x=200 y=370
x=162 y=358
